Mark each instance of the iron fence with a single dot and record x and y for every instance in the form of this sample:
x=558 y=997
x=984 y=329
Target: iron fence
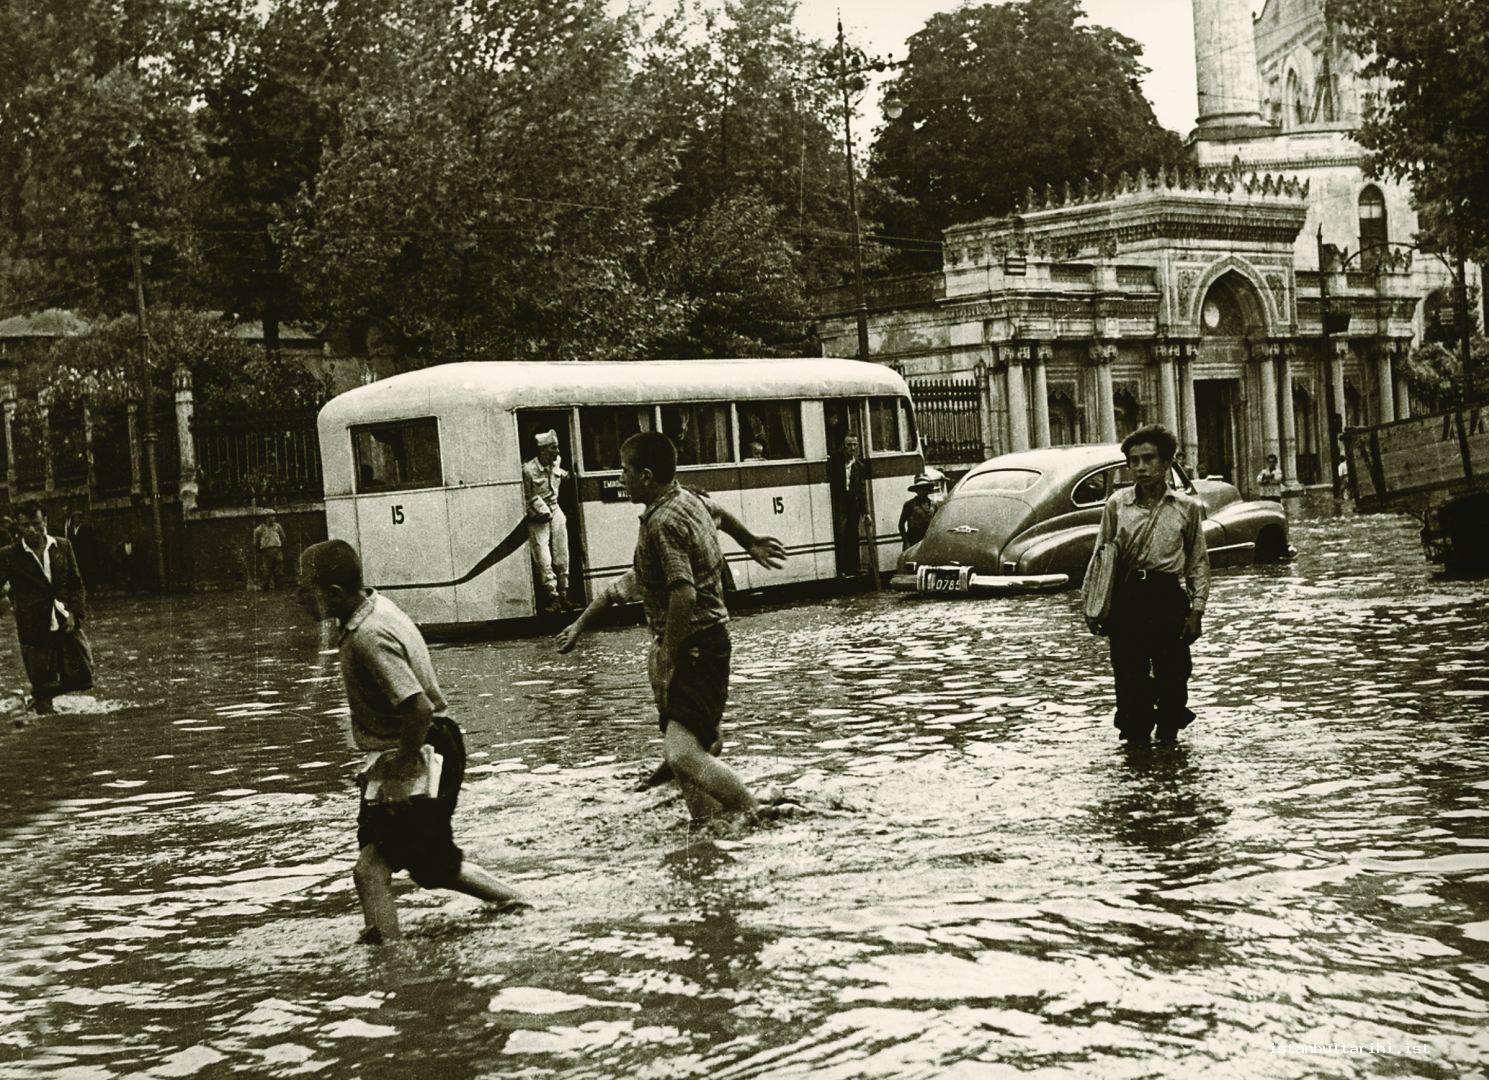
x=271 y=457
x=948 y=413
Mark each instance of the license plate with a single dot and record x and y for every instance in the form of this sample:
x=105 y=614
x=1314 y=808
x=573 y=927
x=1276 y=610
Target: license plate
x=945 y=579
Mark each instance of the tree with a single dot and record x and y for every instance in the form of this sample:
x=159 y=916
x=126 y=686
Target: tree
x=1429 y=124
x=98 y=137
x=1000 y=99
x=489 y=190
x=734 y=269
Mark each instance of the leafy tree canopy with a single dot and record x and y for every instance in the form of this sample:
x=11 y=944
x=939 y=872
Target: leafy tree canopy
x=1429 y=125
x=1002 y=98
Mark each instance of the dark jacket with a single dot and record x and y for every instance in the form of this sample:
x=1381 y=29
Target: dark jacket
x=32 y=595
x=847 y=486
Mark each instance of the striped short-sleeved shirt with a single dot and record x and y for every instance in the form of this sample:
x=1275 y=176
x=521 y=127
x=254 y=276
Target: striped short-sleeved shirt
x=679 y=544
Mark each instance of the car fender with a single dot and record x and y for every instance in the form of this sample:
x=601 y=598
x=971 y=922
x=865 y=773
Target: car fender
x=1243 y=522
x=1061 y=551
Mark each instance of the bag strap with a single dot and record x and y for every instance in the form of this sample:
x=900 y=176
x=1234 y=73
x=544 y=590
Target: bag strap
x=1144 y=533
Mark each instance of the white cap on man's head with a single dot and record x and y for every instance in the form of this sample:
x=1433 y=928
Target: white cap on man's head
x=547 y=440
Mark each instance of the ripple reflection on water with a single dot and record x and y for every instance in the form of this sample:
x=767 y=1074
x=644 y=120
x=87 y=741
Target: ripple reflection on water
x=985 y=885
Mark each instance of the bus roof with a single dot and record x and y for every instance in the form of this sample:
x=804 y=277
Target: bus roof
x=542 y=384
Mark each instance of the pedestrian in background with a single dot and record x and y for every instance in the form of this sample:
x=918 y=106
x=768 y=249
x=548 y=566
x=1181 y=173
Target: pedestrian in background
x=1269 y=480
x=268 y=550
x=40 y=574
x=547 y=527
x=1162 y=587
x=84 y=540
x=916 y=514
x=396 y=711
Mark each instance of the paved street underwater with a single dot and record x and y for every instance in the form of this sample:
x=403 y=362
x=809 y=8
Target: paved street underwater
x=982 y=883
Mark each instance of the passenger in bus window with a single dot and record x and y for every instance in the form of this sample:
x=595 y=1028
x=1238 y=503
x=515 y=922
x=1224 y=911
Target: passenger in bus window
x=547 y=527
x=757 y=450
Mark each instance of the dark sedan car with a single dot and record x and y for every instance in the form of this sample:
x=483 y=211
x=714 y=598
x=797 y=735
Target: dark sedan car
x=1028 y=522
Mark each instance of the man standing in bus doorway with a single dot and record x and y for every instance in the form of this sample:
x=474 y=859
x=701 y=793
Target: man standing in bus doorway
x=679 y=568
x=1162 y=584
x=547 y=528
x=849 y=504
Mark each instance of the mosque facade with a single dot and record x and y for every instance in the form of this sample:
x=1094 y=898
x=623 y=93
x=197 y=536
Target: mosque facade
x=1192 y=297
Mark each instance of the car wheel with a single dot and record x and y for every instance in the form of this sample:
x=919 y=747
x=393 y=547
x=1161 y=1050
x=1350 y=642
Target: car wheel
x=1271 y=544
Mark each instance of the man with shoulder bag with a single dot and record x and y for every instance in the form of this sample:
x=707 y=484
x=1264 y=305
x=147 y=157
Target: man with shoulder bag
x=40 y=572
x=1146 y=590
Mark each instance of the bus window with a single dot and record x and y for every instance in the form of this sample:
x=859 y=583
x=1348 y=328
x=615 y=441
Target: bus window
x=700 y=433
x=890 y=428
x=770 y=430
x=397 y=456
x=602 y=429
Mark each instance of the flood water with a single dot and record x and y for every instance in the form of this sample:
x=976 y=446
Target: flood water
x=984 y=884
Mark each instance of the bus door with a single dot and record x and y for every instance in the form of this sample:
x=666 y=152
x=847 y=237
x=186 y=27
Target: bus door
x=403 y=523
x=848 y=480
x=529 y=423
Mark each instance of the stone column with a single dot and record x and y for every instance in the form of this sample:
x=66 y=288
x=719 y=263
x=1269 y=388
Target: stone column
x=1164 y=355
x=985 y=425
x=44 y=411
x=1102 y=356
x=1189 y=417
x=1265 y=355
x=132 y=412
x=186 y=488
x=1230 y=94
x=1043 y=354
x=1289 y=421
x=1402 y=347
x=8 y=397
x=1336 y=379
x=1385 y=383
x=1011 y=358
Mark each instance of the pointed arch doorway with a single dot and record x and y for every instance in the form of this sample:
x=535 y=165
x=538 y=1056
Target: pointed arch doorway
x=1231 y=313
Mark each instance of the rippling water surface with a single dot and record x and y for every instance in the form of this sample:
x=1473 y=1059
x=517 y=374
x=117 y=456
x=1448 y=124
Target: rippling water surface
x=983 y=885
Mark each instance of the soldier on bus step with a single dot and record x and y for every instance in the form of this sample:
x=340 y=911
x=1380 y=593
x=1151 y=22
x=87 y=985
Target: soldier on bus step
x=547 y=528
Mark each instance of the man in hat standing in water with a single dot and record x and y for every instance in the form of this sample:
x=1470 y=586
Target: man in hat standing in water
x=547 y=528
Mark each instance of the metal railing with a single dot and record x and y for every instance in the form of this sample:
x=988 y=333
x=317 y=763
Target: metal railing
x=271 y=457
x=948 y=414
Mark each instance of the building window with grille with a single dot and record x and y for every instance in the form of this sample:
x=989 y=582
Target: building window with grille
x=1372 y=220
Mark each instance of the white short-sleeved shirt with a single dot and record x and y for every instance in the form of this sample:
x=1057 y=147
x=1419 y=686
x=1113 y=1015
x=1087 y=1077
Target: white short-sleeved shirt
x=384 y=662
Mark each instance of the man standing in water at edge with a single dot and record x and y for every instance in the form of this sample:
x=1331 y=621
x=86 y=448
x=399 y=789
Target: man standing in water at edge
x=1162 y=586
x=679 y=567
x=397 y=708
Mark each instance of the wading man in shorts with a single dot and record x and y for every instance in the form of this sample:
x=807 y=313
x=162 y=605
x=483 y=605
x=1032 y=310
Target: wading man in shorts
x=396 y=709
x=679 y=569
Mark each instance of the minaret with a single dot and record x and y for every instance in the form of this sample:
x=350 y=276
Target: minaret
x=1230 y=93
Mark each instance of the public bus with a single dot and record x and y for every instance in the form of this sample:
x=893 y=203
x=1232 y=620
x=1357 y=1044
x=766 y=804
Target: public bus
x=423 y=470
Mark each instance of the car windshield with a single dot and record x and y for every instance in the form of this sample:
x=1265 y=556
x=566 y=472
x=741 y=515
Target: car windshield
x=1000 y=480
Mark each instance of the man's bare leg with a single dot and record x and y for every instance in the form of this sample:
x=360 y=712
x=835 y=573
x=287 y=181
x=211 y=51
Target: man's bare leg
x=374 y=881
x=476 y=881
x=709 y=776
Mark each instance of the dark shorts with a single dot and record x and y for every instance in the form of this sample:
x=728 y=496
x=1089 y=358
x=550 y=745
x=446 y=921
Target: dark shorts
x=700 y=685
x=416 y=836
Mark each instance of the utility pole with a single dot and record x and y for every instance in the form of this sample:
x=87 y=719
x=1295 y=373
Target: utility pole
x=151 y=435
x=862 y=310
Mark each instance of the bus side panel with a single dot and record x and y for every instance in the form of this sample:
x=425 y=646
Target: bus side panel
x=405 y=546
x=824 y=556
x=480 y=519
x=341 y=521
x=610 y=529
x=893 y=475
x=780 y=501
